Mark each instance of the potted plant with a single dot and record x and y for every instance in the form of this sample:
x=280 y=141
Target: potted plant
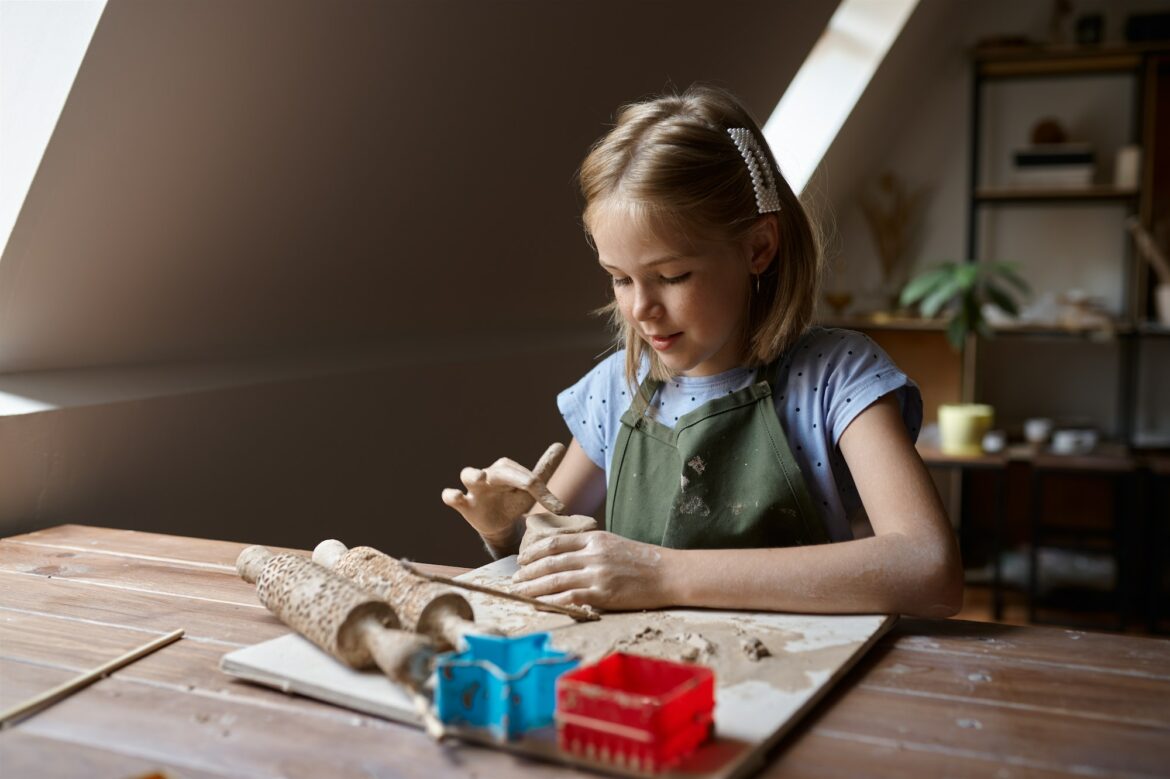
x=961 y=290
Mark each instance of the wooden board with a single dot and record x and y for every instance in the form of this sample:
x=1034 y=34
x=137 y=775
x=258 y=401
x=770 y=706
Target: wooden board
x=757 y=701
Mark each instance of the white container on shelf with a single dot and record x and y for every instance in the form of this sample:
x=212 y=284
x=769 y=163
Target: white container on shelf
x=994 y=441
x=1127 y=169
x=1037 y=430
x=1074 y=441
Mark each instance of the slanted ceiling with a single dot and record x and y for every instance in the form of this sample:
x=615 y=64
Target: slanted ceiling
x=232 y=179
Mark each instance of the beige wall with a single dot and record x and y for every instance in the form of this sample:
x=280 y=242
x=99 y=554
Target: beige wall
x=247 y=181
x=235 y=178
x=362 y=457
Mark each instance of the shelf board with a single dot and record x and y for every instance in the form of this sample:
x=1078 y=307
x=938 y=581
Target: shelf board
x=1038 y=60
x=884 y=322
x=1052 y=194
x=936 y=458
x=1108 y=456
x=1050 y=329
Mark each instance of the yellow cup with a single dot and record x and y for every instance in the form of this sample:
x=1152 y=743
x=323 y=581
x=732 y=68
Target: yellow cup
x=961 y=427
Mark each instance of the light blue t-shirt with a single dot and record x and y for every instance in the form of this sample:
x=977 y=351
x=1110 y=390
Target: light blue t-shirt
x=822 y=383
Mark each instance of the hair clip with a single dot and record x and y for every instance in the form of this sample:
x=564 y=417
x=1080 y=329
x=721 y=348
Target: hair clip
x=764 y=183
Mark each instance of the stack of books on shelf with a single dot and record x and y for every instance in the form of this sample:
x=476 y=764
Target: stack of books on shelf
x=1063 y=165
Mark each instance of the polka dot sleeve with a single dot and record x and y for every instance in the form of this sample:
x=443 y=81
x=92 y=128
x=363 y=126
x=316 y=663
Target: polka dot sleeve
x=589 y=408
x=859 y=372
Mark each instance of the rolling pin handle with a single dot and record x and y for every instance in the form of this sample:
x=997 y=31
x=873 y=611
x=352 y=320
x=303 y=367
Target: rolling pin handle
x=329 y=552
x=251 y=562
x=454 y=629
x=402 y=656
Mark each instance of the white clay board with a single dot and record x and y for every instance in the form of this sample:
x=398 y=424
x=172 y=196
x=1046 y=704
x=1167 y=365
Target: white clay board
x=757 y=701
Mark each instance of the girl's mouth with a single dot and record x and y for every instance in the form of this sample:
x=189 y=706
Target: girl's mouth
x=663 y=342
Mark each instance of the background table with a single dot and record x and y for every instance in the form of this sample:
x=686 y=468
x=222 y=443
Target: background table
x=932 y=698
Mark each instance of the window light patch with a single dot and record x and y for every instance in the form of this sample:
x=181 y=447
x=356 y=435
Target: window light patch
x=830 y=82
x=41 y=48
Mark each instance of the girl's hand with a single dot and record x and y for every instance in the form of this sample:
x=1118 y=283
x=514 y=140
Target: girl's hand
x=498 y=495
x=597 y=569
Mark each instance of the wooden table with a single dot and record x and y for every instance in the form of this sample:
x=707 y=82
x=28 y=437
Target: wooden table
x=932 y=698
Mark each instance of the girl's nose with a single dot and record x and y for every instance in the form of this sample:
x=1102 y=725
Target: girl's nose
x=646 y=305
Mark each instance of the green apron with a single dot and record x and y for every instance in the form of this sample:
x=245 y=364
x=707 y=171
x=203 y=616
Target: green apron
x=722 y=478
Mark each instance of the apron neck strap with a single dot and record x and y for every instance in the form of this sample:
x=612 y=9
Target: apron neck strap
x=645 y=394
x=650 y=386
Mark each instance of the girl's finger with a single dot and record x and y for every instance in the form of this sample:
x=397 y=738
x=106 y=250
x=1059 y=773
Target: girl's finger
x=472 y=477
x=554 y=583
x=579 y=597
x=508 y=473
x=552 y=546
x=455 y=499
x=554 y=563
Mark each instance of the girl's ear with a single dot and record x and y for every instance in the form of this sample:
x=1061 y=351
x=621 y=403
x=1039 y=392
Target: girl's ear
x=762 y=242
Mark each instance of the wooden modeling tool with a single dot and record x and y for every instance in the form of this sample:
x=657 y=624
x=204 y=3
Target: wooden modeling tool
x=578 y=613
x=341 y=618
x=61 y=691
x=424 y=607
x=545 y=467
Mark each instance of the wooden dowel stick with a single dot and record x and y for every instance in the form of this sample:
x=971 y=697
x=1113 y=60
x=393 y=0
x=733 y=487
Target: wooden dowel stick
x=48 y=698
x=576 y=612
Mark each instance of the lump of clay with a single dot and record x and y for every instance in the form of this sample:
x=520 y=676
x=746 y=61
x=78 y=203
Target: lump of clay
x=754 y=649
x=538 y=526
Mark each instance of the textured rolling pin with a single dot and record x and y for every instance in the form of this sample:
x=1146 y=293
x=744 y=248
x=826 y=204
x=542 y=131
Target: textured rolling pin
x=341 y=618
x=429 y=609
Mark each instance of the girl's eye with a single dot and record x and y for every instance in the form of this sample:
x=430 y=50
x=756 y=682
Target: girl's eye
x=620 y=282
x=675 y=279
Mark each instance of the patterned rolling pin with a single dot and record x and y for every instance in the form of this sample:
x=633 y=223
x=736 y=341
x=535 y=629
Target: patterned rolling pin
x=339 y=617
x=429 y=609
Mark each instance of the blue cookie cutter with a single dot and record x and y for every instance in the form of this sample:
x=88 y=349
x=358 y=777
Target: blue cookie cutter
x=506 y=685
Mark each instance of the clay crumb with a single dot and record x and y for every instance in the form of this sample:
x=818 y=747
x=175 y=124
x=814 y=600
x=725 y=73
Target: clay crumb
x=696 y=647
x=754 y=649
x=697 y=465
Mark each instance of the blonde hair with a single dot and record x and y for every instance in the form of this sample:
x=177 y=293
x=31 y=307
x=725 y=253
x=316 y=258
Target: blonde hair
x=671 y=164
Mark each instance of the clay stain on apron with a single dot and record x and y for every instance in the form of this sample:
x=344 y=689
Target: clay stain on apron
x=694 y=505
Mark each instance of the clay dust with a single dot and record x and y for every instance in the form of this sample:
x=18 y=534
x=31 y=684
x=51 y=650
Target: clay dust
x=737 y=649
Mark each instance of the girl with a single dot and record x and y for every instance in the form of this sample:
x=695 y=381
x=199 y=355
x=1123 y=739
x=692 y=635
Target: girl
x=729 y=441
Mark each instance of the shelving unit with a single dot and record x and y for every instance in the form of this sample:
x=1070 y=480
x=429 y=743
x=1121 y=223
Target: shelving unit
x=1084 y=353
x=1113 y=374
x=1141 y=72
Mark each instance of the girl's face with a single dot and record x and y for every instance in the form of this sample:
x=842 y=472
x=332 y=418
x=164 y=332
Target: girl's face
x=688 y=301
